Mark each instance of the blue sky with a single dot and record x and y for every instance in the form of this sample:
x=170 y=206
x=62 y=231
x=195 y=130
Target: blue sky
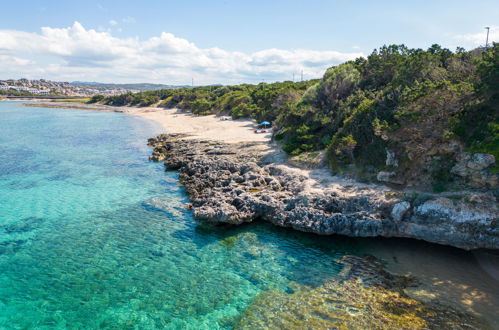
x=248 y=41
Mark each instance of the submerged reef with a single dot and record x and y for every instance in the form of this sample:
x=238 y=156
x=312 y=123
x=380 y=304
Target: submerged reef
x=364 y=296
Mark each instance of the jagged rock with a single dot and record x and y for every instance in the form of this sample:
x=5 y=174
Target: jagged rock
x=458 y=223
x=399 y=210
x=235 y=185
x=460 y=169
x=473 y=168
x=385 y=176
x=480 y=161
x=389 y=177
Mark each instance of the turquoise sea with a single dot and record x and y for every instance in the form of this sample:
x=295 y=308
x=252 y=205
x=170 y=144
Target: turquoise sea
x=84 y=245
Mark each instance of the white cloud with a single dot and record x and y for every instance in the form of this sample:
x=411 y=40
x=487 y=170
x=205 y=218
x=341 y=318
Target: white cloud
x=478 y=39
x=113 y=22
x=75 y=53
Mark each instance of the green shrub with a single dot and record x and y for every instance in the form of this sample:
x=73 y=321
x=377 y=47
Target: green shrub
x=96 y=98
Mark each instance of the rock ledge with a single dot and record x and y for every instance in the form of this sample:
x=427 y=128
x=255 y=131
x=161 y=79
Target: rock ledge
x=237 y=183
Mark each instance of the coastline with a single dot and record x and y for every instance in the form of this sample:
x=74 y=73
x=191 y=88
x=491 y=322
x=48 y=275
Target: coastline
x=246 y=182
x=234 y=176
x=210 y=154
x=177 y=122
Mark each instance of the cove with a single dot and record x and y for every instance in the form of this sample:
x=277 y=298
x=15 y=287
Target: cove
x=94 y=235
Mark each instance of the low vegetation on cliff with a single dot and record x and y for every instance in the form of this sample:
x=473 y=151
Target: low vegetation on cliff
x=404 y=116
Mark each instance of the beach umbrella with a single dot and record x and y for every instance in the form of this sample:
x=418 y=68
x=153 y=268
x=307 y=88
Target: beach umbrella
x=264 y=123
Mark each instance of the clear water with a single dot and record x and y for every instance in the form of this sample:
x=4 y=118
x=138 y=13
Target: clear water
x=82 y=245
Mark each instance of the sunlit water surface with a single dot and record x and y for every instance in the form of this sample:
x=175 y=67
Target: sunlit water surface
x=82 y=246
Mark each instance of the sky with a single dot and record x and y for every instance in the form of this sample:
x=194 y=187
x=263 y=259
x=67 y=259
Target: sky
x=227 y=42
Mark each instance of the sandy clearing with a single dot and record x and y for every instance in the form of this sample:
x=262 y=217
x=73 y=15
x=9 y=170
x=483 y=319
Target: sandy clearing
x=202 y=127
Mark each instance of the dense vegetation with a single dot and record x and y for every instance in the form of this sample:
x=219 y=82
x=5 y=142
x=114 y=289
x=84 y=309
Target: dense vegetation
x=262 y=102
x=409 y=101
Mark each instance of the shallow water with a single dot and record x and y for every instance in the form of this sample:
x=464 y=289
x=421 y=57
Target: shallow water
x=84 y=245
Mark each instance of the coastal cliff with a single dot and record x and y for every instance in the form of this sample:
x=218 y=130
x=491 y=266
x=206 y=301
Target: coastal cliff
x=245 y=182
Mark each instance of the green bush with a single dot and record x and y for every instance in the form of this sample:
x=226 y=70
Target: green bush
x=96 y=98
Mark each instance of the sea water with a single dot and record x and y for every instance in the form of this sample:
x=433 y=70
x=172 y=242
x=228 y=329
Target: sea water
x=83 y=243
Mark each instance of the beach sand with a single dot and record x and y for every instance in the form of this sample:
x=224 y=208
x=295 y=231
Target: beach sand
x=203 y=127
x=175 y=121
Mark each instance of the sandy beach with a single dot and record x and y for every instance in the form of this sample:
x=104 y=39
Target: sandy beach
x=202 y=127
x=175 y=121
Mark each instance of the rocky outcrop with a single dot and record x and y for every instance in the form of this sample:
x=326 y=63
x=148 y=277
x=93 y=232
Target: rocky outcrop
x=399 y=210
x=237 y=183
x=473 y=168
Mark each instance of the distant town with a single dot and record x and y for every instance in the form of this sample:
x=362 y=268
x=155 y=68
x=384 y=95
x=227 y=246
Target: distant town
x=42 y=87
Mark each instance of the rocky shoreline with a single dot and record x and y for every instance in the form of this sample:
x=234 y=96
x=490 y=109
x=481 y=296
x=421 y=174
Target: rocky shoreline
x=238 y=183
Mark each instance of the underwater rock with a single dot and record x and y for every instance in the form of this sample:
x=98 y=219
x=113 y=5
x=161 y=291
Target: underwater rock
x=365 y=297
x=23 y=225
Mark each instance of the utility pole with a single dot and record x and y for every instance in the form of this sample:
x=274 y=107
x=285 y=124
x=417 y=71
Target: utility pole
x=301 y=75
x=487 y=39
x=293 y=77
x=192 y=82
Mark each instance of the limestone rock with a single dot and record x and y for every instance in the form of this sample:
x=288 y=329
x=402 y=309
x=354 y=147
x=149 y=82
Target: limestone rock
x=232 y=184
x=389 y=177
x=481 y=161
x=399 y=210
x=384 y=176
x=473 y=169
x=390 y=159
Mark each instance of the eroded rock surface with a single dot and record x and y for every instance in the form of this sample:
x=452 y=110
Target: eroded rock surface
x=237 y=183
x=473 y=168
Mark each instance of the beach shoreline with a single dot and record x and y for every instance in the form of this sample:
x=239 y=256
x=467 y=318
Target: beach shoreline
x=175 y=121
x=210 y=146
x=357 y=209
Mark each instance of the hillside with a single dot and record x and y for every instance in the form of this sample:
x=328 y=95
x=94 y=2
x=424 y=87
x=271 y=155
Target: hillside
x=142 y=87
x=408 y=117
x=26 y=87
